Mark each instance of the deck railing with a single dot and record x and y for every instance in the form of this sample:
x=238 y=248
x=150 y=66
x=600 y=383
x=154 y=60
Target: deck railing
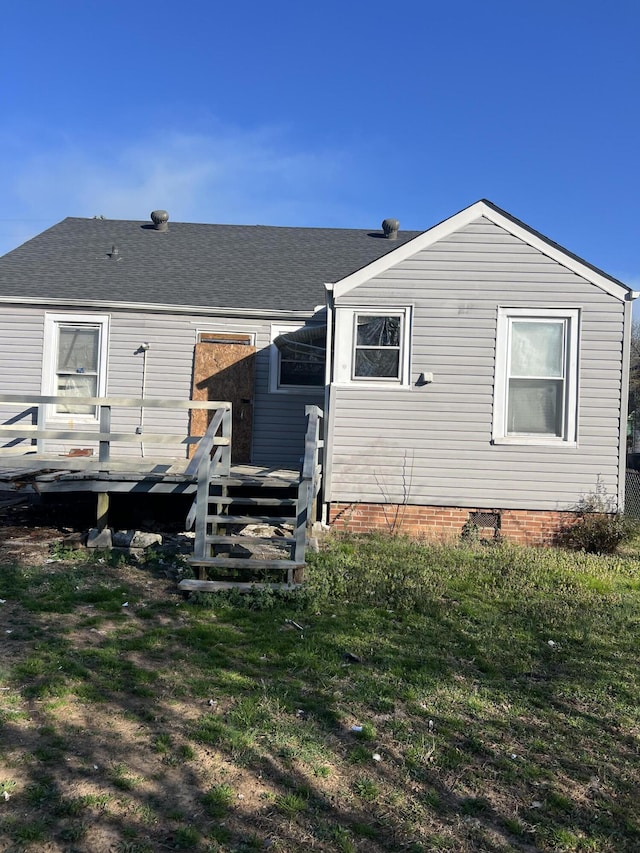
x=310 y=479
x=205 y=465
x=218 y=434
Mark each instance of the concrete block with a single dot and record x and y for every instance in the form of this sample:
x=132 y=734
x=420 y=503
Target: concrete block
x=99 y=538
x=145 y=540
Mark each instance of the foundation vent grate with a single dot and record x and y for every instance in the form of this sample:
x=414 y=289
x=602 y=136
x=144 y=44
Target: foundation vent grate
x=485 y=519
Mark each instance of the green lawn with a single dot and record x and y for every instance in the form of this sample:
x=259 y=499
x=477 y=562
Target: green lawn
x=415 y=698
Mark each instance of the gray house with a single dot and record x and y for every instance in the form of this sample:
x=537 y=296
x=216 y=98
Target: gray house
x=475 y=372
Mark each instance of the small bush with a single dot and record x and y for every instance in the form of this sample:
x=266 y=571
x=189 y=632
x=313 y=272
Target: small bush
x=597 y=527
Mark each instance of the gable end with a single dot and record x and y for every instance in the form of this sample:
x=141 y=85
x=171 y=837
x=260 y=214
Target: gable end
x=487 y=210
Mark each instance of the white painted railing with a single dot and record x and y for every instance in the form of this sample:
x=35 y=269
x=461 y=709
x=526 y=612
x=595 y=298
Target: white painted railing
x=218 y=435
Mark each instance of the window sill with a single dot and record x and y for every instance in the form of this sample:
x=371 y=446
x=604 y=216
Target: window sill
x=61 y=418
x=299 y=389
x=526 y=441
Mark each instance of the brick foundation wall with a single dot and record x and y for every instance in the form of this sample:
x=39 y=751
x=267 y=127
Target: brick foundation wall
x=525 y=527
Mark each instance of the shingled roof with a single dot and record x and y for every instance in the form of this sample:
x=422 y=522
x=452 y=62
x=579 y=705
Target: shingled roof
x=252 y=267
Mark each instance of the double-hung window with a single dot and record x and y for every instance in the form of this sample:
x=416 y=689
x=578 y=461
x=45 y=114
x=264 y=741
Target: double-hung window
x=536 y=376
x=372 y=346
x=377 y=346
x=75 y=361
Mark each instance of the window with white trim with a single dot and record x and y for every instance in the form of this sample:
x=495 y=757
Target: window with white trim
x=75 y=361
x=372 y=346
x=298 y=358
x=536 y=376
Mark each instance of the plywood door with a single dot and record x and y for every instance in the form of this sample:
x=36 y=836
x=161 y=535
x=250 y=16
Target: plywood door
x=223 y=369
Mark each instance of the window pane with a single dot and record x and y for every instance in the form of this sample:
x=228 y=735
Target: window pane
x=378 y=331
x=78 y=348
x=302 y=363
x=77 y=385
x=301 y=373
x=303 y=352
x=537 y=349
x=372 y=362
x=535 y=406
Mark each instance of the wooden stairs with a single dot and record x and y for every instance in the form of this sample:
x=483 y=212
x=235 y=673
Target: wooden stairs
x=280 y=507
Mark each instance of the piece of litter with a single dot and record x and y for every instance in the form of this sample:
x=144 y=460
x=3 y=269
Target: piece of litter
x=513 y=755
x=299 y=712
x=9 y=631
x=3 y=600
x=95 y=766
x=552 y=643
x=536 y=804
x=430 y=725
x=6 y=795
x=213 y=702
x=356 y=728
x=295 y=624
x=241 y=796
x=376 y=756
x=126 y=604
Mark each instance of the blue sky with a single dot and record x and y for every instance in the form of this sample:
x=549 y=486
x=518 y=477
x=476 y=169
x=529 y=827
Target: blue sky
x=326 y=114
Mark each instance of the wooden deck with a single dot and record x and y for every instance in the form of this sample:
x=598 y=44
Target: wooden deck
x=225 y=497
x=62 y=474
x=104 y=469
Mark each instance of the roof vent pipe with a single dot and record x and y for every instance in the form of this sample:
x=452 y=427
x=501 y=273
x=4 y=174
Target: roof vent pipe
x=160 y=219
x=390 y=228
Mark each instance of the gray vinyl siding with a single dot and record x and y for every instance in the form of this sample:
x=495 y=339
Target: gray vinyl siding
x=278 y=421
x=431 y=445
x=20 y=362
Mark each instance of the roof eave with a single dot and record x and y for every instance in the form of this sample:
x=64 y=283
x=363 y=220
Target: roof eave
x=217 y=311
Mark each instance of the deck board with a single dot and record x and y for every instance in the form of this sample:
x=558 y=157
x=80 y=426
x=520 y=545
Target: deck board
x=63 y=474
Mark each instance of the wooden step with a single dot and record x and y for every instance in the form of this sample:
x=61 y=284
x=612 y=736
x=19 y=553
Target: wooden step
x=265 y=482
x=244 y=563
x=220 y=499
x=249 y=540
x=188 y=585
x=272 y=520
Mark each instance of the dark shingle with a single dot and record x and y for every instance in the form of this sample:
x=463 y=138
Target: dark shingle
x=217 y=266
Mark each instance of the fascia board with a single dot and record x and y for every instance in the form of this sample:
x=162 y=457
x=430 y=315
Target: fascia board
x=248 y=313
x=460 y=220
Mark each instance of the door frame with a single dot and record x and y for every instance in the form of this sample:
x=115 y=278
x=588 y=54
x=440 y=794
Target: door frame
x=229 y=336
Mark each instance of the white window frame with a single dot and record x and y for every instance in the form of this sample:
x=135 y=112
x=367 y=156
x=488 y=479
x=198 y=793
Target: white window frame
x=274 y=365
x=345 y=347
x=571 y=319
x=52 y=325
